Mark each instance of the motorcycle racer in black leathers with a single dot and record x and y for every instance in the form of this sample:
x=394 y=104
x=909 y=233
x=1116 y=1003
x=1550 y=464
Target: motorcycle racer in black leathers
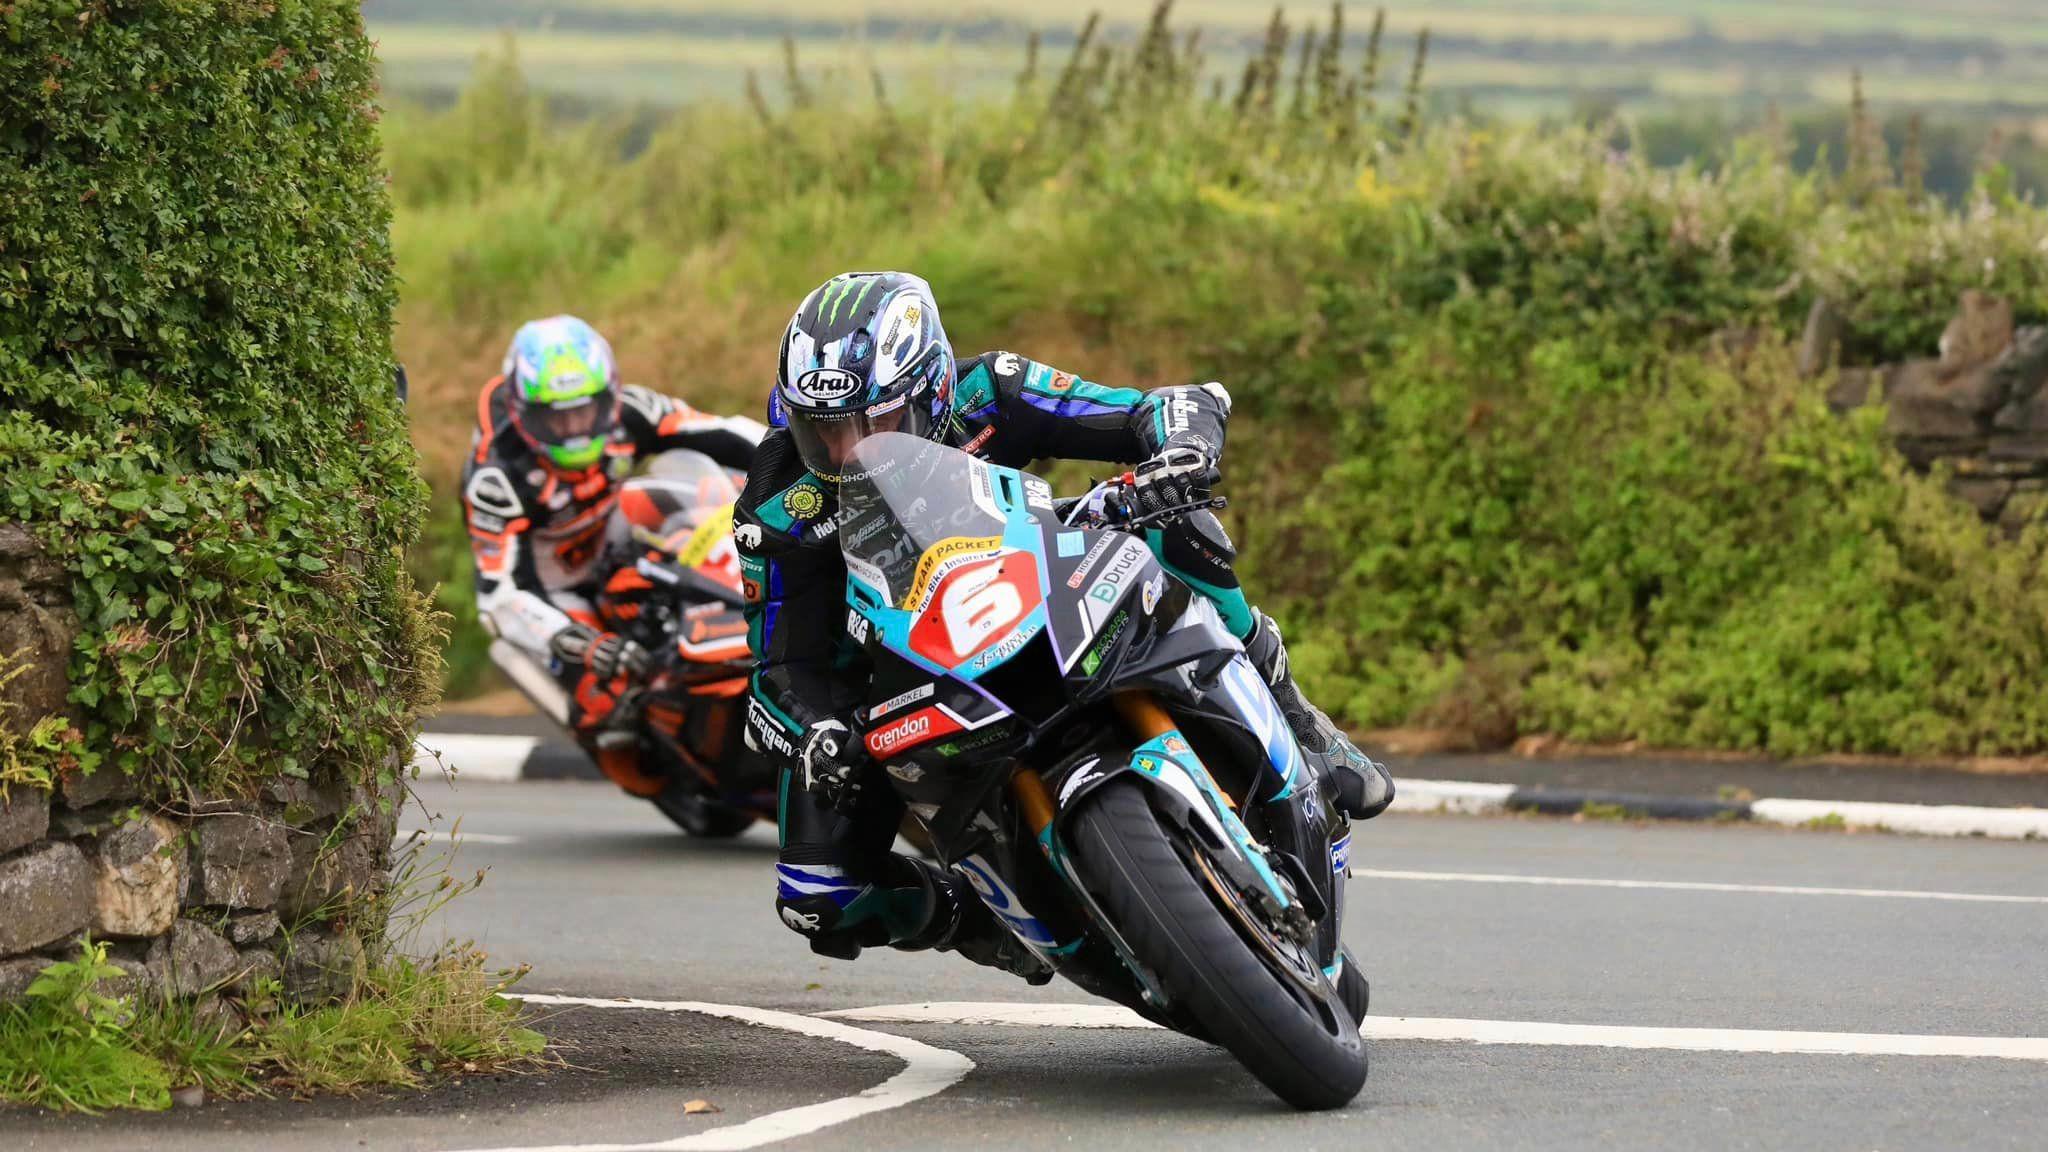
x=866 y=353
x=556 y=435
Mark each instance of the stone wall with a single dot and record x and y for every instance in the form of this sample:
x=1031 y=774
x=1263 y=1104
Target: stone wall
x=1979 y=406
x=194 y=897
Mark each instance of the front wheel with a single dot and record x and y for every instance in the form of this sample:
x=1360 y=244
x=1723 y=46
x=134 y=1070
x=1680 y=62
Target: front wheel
x=1302 y=1043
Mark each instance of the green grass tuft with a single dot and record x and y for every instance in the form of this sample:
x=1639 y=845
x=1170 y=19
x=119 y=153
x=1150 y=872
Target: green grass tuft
x=74 y=1046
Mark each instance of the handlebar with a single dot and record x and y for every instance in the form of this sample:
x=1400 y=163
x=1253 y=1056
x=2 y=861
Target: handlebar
x=1112 y=504
x=672 y=574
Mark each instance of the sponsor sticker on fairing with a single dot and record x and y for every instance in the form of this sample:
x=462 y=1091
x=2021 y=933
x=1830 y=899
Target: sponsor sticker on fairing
x=1117 y=573
x=1080 y=575
x=1153 y=589
x=883 y=741
x=901 y=701
x=867 y=573
x=1000 y=651
x=914 y=729
x=942 y=558
x=983 y=489
x=1079 y=778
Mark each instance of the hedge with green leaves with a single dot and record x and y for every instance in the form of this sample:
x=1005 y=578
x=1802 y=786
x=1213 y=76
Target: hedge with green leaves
x=1489 y=463
x=196 y=295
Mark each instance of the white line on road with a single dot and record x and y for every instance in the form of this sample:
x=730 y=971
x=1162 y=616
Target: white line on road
x=1453 y=796
x=1040 y=1015
x=1924 y=819
x=1695 y=886
x=457 y=837
x=926 y=1072
x=493 y=758
x=1469 y=798
x=1497 y=1032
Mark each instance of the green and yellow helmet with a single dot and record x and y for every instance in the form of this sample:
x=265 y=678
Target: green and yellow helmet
x=565 y=391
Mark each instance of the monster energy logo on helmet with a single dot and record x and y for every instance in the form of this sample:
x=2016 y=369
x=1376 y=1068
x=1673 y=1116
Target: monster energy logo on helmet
x=865 y=353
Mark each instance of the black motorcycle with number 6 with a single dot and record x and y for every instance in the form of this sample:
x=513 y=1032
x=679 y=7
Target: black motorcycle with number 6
x=1082 y=739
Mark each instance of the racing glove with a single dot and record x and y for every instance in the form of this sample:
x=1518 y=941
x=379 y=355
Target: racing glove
x=1173 y=478
x=831 y=762
x=606 y=654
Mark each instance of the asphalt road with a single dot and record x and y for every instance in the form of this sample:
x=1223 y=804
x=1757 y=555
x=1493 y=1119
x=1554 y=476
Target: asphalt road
x=1884 y=781
x=603 y=899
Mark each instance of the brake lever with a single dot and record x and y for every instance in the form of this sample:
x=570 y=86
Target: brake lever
x=1213 y=503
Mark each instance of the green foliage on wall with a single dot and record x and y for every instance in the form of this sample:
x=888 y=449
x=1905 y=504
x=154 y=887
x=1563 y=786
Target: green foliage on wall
x=196 y=293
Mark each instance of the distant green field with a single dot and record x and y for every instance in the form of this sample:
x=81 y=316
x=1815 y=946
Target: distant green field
x=1956 y=53
x=1595 y=20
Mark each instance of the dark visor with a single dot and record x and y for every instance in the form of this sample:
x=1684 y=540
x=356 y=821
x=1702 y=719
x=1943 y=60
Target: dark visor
x=826 y=440
x=568 y=420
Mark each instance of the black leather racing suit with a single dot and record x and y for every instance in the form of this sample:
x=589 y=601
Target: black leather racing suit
x=837 y=880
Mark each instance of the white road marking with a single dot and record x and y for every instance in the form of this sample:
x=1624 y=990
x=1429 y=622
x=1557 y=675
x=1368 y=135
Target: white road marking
x=926 y=1072
x=1498 y=1032
x=458 y=837
x=1040 y=1015
x=1468 y=798
x=1925 y=819
x=493 y=758
x=1695 y=886
x=1455 y=796
x=1705 y=1039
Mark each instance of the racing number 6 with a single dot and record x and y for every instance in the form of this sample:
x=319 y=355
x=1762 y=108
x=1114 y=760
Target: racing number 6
x=975 y=604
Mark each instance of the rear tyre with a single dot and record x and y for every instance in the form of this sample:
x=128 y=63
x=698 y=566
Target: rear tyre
x=703 y=818
x=1303 y=1046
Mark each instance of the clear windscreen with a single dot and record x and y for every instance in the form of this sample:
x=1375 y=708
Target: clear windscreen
x=904 y=495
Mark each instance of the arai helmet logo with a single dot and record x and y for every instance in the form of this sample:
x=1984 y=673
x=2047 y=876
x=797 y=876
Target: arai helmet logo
x=826 y=384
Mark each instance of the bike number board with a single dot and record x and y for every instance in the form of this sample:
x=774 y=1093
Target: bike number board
x=980 y=613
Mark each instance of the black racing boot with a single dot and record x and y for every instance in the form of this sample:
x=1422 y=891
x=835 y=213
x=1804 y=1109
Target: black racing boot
x=1364 y=787
x=960 y=922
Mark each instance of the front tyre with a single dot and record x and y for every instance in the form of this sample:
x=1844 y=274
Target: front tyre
x=1303 y=1046
x=1354 y=990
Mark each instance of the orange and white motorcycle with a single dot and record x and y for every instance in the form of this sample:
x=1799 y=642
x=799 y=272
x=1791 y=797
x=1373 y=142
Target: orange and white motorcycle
x=674 y=588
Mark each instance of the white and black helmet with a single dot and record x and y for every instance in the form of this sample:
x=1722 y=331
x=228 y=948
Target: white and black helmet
x=864 y=354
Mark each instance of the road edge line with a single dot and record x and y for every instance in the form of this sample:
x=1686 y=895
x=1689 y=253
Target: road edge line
x=467 y=756
x=927 y=1071
x=508 y=758
x=1519 y=1033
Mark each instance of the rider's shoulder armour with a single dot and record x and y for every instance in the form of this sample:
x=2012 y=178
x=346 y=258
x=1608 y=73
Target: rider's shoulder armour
x=783 y=498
